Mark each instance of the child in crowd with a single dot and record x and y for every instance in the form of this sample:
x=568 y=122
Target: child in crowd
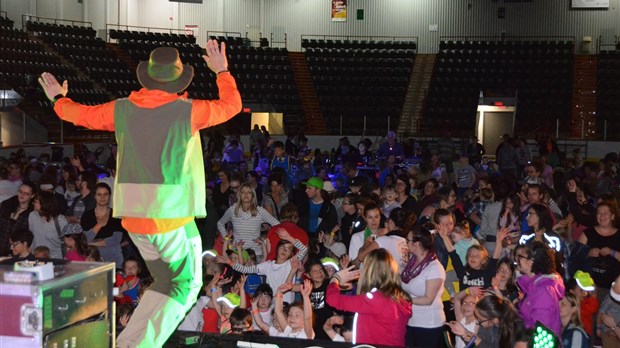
x=465 y=175
x=344 y=330
x=390 y=201
x=41 y=252
x=224 y=305
x=297 y=322
x=582 y=286
x=466 y=324
x=240 y=321
x=318 y=276
x=280 y=158
x=331 y=266
x=479 y=269
x=462 y=239
x=277 y=271
x=264 y=300
x=75 y=241
x=71 y=191
x=504 y=281
x=128 y=281
x=93 y=254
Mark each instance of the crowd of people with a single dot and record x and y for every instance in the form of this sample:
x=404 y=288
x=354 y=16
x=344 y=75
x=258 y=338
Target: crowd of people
x=418 y=245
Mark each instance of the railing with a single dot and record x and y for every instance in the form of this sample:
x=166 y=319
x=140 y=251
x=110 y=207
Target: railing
x=225 y=33
x=506 y=38
x=272 y=42
x=26 y=18
x=367 y=37
x=110 y=26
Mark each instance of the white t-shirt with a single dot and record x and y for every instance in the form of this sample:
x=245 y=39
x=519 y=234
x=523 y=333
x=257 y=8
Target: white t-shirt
x=357 y=242
x=288 y=332
x=276 y=275
x=266 y=316
x=397 y=247
x=471 y=327
x=431 y=316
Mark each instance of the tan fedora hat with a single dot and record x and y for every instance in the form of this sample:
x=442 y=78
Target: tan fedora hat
x=164 y=71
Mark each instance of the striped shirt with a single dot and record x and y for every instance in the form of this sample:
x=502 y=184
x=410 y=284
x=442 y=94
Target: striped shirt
x=245 y=226
x=275 y=273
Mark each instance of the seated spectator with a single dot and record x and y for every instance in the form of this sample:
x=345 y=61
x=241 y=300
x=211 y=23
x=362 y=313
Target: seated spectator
x=19 y=243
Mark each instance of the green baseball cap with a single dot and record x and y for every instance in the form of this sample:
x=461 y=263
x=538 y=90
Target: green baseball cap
x=230 y=299
x=329 y=261
x=314 y=181
x=584 y=280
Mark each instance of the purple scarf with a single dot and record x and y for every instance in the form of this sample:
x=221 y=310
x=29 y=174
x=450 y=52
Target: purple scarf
x=411 y=272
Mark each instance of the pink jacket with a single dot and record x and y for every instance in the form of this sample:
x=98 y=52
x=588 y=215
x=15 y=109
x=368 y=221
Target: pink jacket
x=378 y=319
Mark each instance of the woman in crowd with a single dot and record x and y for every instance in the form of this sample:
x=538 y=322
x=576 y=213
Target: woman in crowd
x=429 y=197
x=403 y=189
x=499 y=324
x=423 y=278
x=277 y=198
x=246 y=217
x=542 y=287
x=14 y=214
x=102 y=230
x=604 y=242
x=46 y=223
x=540 y=223
x=573 y=333
x=381 y=305
x=391 y=238
x=222 y=192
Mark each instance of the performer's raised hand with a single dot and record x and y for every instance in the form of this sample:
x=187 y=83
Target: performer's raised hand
x=51 y=87
x=216 y=56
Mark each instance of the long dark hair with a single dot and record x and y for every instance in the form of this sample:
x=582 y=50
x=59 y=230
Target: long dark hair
x=493 y=307
x=516 y=209
x=545 y=220
x=81 y=245
x=49 y=206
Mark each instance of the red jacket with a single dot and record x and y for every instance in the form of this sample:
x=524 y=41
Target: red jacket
x=378 y=319
x=295 y=232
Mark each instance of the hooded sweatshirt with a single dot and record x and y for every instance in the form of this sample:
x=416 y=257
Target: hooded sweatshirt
x=543 y=293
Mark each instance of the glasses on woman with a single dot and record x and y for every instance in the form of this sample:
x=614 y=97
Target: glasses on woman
x=13 y=245
x=519 y=256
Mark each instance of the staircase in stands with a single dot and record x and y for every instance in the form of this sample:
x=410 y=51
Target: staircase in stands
x=583 y=118
x=419 y=83
x=307 y=93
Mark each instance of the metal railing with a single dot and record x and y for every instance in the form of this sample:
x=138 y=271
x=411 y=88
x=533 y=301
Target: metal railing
x=26 y=18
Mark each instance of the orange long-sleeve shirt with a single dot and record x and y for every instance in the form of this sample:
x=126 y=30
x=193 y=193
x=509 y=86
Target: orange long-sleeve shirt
x=204 y=113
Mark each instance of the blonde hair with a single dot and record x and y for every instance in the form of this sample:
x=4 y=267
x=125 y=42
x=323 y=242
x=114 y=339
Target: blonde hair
x=574 y=302
x=380 y=271
x=253 y=207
